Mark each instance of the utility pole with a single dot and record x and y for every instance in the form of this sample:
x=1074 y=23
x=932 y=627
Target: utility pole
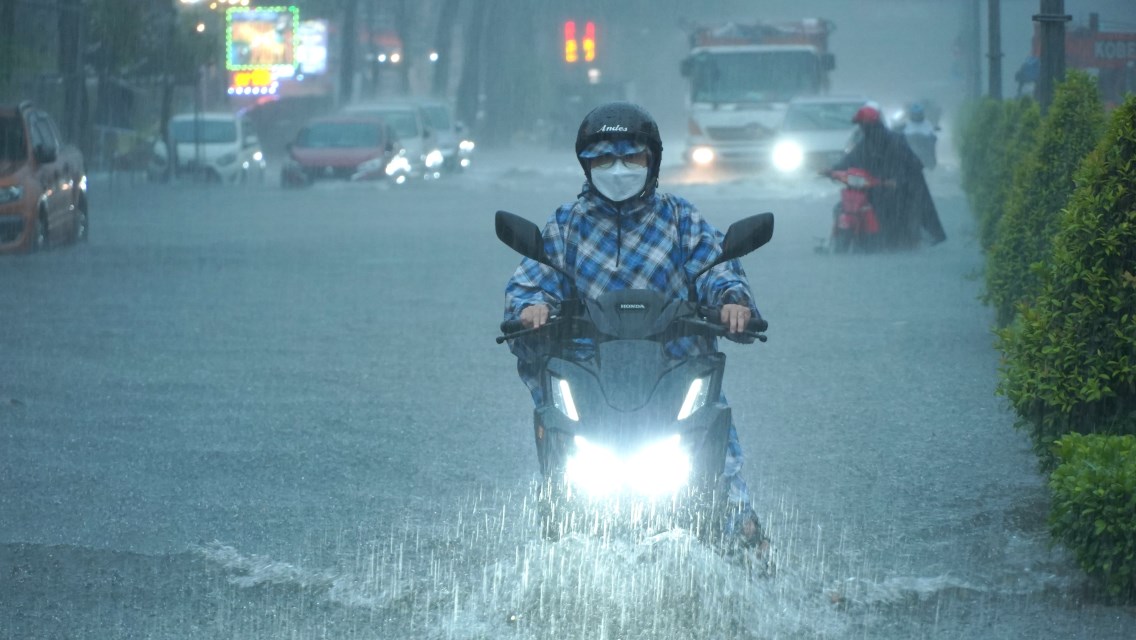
x=994 y=26
x=971 y=48
x=347 y=58
x=1052 y=19
x=71 y=67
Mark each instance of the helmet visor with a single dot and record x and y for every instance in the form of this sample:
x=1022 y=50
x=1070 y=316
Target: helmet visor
x=617 y=148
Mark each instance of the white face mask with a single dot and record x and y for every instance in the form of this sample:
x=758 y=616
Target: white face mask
x=620 y=181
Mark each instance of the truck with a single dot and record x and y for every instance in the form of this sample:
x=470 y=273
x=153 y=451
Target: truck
x=740 y=79
x=43 y=183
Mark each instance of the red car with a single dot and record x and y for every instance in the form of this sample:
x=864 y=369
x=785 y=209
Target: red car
x=43 y=186
x=344 y=147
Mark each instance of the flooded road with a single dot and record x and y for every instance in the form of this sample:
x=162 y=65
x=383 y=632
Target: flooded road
x=256 y=413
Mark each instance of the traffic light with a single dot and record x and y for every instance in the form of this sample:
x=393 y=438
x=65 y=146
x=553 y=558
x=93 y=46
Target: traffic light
x=589 y=41
x=572 y=46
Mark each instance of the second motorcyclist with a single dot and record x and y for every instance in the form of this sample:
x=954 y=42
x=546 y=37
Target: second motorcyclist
x=921 y=134
x=621 y=233
x=906 y=211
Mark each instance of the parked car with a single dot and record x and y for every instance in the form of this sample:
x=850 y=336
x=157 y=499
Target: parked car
x=409 y=124
x=815 y=132
x=450 y=134
x=346 y=147
x=43 y=184
x=218 y=146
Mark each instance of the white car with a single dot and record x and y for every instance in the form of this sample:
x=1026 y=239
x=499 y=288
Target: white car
x=450 y=134
x=219 y=146
x=815 y=132
x=409 y=125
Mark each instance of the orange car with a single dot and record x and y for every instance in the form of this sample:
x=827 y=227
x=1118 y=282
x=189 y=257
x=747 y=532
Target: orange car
x=43 y=184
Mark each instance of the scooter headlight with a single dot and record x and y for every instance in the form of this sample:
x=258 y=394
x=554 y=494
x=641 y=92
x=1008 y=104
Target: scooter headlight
x=562 y=399
x=659 y=469
x=788 y=156
x=695 y=397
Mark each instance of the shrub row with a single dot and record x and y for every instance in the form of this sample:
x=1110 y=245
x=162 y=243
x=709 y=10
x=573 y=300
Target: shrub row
x=1094 y=507
x=1039 y=189
x=995 y=139
x=1061 y=272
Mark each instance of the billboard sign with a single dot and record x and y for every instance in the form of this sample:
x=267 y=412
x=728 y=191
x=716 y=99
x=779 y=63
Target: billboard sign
x=311 y=47
x=261 y=38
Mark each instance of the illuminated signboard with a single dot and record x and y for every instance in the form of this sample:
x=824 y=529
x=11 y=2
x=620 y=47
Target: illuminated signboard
x=311 y=47
x=260 y=38
x=253 y=82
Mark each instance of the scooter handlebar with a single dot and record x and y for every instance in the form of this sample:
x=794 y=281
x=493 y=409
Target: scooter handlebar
x=512 y=326
x=711 y=318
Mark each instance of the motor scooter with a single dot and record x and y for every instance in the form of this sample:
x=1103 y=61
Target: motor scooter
x=629 y=437
x=855 y=226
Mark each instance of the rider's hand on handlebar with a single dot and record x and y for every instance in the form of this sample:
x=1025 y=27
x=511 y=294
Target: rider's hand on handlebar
x=735 y=317
x=534 y=316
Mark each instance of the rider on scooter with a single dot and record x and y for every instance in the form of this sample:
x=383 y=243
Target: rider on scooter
x=905 y=210
x=620 y=233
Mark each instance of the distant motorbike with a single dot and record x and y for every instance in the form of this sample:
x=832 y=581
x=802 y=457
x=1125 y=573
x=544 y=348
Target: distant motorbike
x=628 y=437
x=920 y=130
x=855 y=227
x=923 y=143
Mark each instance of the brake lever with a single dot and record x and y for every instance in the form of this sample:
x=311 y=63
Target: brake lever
x=721 y=331
x=524 y=332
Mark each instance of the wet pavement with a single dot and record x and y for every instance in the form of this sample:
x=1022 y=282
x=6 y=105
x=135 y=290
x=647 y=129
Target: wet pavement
x=247 y=412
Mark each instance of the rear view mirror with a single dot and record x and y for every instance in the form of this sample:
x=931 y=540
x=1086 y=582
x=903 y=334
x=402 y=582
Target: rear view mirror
x=521 y=235
x=525 y=238
x=746 y=236
x=44 y=154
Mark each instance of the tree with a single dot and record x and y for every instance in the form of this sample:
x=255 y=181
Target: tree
x=443 y=44
x=1042 y=184
x=1070 y=359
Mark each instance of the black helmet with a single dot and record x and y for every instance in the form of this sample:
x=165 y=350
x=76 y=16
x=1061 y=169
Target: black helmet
x=621 y=121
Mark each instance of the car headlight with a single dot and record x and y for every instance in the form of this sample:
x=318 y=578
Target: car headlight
x=702 y=155
x=398 y=164
x=788 y=156
x=257 y=156
x=228 y=158
x=434 y=159
x=11 y=194
x=562 y=399
x=466 y=145
x=658 y=469
x=695 y=397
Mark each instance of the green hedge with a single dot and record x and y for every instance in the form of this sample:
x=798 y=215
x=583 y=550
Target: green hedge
x=1094 y=507
x=981 y=122
x=1069 y=361
x=994 y=138
x=1041 y=186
